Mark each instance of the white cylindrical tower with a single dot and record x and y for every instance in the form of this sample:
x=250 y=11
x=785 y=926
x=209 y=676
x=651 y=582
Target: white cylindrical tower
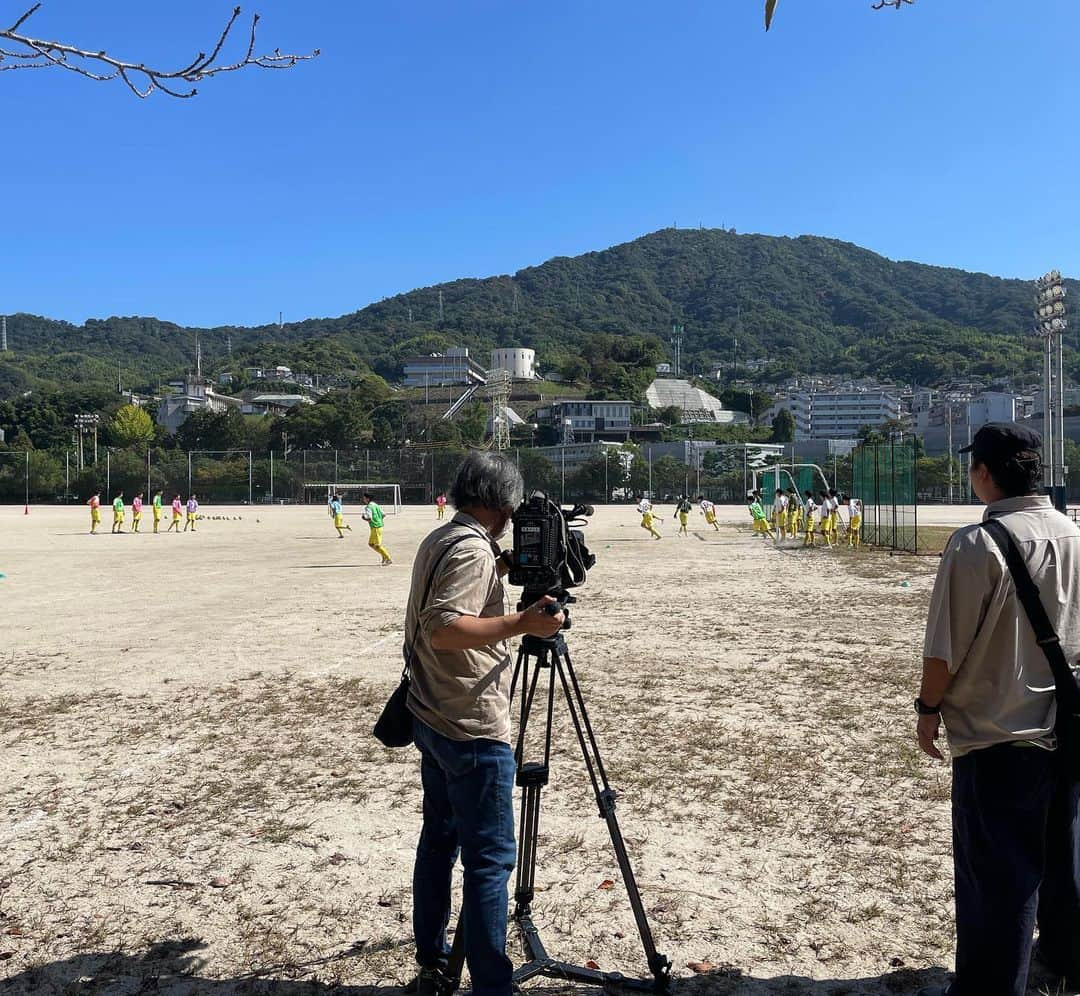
x=519 y=362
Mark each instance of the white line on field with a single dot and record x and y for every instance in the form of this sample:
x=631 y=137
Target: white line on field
x=342 y=663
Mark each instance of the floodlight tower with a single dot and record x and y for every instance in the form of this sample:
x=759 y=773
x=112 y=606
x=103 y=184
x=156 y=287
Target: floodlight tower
x=498 y=387
x=1051 y=324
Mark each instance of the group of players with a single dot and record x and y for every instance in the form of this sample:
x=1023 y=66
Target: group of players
x=120 y=512
x=792 y=516
x=807 y=516
x=372 y=514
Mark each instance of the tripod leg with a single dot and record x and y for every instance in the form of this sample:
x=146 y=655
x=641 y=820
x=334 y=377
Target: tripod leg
x=659 y=965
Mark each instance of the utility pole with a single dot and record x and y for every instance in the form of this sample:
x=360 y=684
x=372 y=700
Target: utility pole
x=3 y=334
x=441 y=316
x=948 y=444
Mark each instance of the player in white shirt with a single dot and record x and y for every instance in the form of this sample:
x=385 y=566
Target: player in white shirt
x=855 y=510
x=644 y=508
x=708 y=509
x=779 y=508
x=825 y=517
x=809 y=510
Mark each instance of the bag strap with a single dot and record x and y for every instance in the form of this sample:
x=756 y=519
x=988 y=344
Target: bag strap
x=1066 y=690
x=409 y=647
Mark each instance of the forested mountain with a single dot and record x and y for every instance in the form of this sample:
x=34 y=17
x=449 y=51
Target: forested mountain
x=807 y=304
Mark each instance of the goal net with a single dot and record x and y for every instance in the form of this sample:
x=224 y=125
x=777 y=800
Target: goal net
x=387 y=495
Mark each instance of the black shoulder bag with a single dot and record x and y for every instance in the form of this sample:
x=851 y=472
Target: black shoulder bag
x=1066 y=691
x=394 y=725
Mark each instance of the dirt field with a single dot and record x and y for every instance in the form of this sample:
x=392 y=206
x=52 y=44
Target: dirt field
x=192 y=801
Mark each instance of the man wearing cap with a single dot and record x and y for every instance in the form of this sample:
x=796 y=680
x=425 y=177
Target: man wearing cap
x=1015 y=809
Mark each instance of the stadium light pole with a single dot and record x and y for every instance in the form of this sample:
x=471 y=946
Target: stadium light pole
x=1051 y=324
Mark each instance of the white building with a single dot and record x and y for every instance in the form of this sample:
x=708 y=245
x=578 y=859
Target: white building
x=519 y=362
x=194 y=395
x=575 y=455
x=589 y=420
x=442 y=370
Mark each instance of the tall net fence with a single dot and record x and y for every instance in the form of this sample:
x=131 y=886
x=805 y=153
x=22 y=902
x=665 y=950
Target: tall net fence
x=884 y=478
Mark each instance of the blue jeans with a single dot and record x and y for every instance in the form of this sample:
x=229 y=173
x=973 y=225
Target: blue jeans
x=468 y=809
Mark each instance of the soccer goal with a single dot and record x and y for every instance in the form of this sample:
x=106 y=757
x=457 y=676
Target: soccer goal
x=387 y=495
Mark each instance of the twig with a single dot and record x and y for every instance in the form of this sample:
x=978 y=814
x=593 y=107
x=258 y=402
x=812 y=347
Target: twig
x=37 y=53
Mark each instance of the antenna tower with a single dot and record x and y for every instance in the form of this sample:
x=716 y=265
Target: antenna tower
x=3 y=334
x=198 y=357
x=498 y=387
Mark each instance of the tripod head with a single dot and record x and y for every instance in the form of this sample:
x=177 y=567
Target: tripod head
x=563 y=601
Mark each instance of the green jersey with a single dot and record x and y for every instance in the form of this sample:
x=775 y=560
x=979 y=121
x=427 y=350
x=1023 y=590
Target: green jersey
x=118 y=504
x=756 y=510
x=157 y=502
x=375 y=516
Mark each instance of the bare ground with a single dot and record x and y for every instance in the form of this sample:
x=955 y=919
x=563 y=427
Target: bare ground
x=194 y=802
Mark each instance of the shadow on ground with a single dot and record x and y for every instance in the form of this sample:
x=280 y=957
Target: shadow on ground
x=173 y=968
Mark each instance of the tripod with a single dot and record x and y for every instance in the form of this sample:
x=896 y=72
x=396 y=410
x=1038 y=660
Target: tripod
x=535 y=657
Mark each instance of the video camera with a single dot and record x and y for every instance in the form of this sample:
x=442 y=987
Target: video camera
x=550 y=555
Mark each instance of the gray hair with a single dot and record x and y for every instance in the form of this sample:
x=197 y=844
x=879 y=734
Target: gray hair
x=489 y=480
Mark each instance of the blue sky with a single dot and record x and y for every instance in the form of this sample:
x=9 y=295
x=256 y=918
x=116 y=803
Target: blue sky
x=434 y=140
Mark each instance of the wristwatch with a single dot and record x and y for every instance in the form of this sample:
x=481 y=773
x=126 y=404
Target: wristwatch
x=507 y=557
x=924 y=710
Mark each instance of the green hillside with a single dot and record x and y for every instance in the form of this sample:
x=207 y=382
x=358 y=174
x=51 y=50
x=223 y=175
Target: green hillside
x=808 y=304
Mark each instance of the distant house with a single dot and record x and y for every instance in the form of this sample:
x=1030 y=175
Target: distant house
x=274 y=404
x=455 y=366
x=193 y=394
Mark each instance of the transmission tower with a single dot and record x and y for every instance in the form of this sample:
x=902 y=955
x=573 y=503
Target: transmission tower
x=498 y=388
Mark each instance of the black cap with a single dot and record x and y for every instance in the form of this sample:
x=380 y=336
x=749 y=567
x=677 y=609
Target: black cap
x=1003 y=441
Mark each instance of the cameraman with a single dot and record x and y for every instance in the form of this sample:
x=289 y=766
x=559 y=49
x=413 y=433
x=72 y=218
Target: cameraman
x=460 y=701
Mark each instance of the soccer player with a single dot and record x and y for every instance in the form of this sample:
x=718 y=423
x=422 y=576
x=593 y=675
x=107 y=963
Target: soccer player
x=95 y=511
x=809 y=511
x=683 y=507
x=825 y=516
x=157 y=510
x=761 y=520
x=708 y=509
x=794 y=513
x=192 y=513
x=855 y=509
x=834 y=515
x=644 y=507
x=440 y=506
x=780 y=507
x=118 y=513
x=136 y=512
x=339 y=517
x=177 y=513
x=374 y=516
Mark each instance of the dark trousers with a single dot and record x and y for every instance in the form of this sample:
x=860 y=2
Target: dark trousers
x=468 y=809
x=1016 y=852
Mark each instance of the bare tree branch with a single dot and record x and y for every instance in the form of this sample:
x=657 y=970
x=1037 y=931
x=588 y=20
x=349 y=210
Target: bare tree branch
x=770 y=8
x=142 y=80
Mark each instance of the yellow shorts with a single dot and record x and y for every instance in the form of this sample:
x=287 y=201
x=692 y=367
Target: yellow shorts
x=136 y=516
x=157 y=514
x=176 y=517
x=375 y=539
x=118 y=516
x=683 y=518
x=339 y=521
x=191 y=516
x=710 y=518
x=95 y=515
x=856 y=524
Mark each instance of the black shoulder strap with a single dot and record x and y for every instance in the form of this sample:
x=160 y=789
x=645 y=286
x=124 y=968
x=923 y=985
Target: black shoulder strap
x=1068 y=694
x=408 y=649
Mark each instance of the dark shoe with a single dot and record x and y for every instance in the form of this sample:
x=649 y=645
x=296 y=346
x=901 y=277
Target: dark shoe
x=430 y=982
